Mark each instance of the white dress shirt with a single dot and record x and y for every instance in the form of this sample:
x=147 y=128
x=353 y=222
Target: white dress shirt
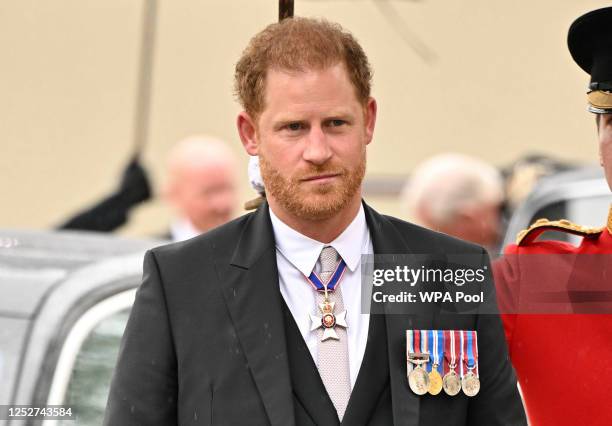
x=297 y=256
x=183 y=229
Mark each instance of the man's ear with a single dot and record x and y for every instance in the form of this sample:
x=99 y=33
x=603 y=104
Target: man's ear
x=370 y=119
x=247 y=132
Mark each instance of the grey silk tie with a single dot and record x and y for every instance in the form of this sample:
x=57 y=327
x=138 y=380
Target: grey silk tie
x=332 y=354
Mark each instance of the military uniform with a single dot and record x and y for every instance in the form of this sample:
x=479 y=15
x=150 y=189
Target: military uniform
x=556 y=297
x=561 y=356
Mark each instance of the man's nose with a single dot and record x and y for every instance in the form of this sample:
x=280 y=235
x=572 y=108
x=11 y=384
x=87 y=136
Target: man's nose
x=317 y=150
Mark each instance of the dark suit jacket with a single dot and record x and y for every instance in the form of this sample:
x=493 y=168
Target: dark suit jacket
x=211 y=341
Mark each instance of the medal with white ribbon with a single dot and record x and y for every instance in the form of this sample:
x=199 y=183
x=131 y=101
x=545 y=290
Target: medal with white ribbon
x=470 y=382
x=436 y=339
x=328 y=319
x=451 y=382
x=418 y=379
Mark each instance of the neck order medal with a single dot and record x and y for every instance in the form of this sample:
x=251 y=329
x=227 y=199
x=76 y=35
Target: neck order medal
x=328 y=320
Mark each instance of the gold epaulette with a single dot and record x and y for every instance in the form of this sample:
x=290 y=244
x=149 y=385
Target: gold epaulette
x=528 y=235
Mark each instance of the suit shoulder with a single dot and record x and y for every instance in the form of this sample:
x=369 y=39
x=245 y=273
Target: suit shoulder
x=527 y=237
x=439 y=240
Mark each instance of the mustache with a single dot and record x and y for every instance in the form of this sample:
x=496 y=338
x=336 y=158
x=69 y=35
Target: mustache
x=318 y=171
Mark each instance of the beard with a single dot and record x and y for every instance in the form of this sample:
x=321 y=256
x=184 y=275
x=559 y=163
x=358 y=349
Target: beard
x=313 y=202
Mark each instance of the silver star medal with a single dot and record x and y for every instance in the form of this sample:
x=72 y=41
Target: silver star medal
x=328 y=320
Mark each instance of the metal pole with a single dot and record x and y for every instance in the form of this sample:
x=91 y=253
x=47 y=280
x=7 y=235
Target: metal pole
x=285 y=9
x=145 y=77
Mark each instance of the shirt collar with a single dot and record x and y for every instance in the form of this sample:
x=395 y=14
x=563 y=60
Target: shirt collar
x=183 y=229
x=303 y=252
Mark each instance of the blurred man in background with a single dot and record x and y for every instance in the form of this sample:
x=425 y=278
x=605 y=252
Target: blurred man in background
x=458 y=195
x=201 y=186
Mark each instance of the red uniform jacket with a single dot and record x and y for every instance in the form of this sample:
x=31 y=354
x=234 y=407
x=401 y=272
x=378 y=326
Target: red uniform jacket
x=556 y=301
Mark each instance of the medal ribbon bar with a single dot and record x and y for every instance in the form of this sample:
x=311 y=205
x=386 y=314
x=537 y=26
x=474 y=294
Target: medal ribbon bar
x=417 y=344
x=462 y=359
x=475 y=340
x=470 y=351
x=469 y=354
x=450 y=351
x=437 y=339
x=409 y=349
x=470 y=382
x=424 y=346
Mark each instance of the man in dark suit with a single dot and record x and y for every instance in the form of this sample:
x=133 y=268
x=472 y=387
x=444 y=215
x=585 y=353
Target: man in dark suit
x=226 y=328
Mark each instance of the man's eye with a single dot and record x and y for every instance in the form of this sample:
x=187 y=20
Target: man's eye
x=294 y=127
x=336 y=123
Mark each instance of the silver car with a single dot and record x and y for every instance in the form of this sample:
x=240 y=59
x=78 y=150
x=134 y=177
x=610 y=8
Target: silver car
x=64 y=302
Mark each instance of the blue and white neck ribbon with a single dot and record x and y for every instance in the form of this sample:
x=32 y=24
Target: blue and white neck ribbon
x=335 y=279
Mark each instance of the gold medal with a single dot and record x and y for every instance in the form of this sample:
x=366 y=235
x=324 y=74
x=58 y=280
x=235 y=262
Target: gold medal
x=418 y=379
x=435 y=381
x=470 y=384
x=451 y=383
x=437 y=345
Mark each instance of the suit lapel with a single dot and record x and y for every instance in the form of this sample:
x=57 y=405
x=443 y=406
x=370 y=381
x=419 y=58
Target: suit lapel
x=373 y=377
x=250 y=289
x=406 y=405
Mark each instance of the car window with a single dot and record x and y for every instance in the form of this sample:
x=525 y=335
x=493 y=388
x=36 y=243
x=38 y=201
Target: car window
x=84 y=368
x=89 y=383
x=580 y=196
x=589 y=211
